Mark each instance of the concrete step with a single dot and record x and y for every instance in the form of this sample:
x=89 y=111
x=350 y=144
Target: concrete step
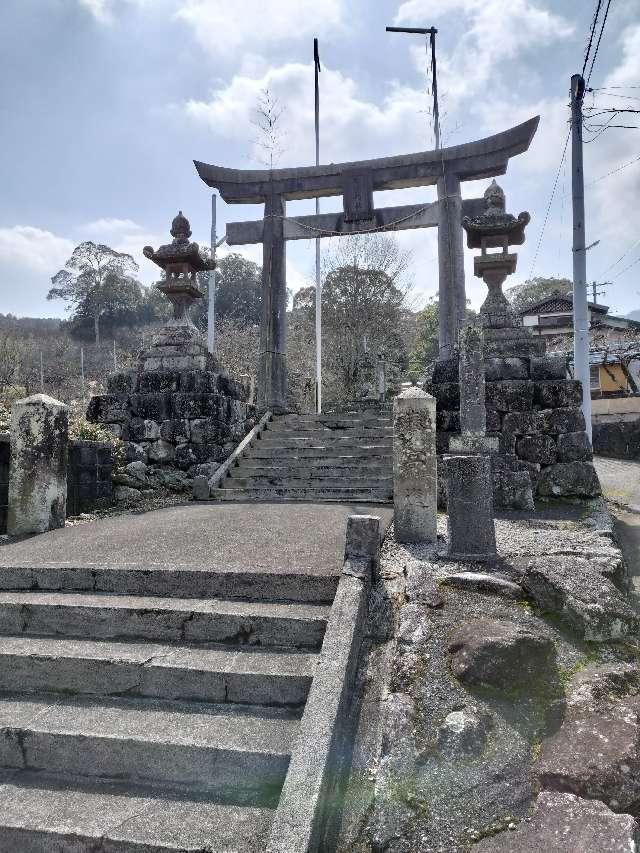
x=240 y=675
x=327 y=440
x=250 y=585
x=238 y=754
x=182 y=620
x=311 y=472
x=44 y=814
x=349 y=451
x=304 y=494
x=333 y=420
x=292 y=482
x=320 y=430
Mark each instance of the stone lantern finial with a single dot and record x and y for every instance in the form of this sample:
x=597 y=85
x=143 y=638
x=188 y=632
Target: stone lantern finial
x=495 y=229
x=180 y=228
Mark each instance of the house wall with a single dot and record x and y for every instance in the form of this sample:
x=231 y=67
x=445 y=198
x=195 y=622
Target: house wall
x=612 y=378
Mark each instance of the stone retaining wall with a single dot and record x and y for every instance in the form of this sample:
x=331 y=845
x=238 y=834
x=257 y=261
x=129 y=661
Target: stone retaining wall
x=618 y=439
x=89 y=473
x=4 y=480
x=535 y=412
x=173 y=417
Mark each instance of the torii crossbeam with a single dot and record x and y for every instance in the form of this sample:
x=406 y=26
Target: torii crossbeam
x=356 y=182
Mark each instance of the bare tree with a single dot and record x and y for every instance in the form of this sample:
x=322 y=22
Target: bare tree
x=270 y=133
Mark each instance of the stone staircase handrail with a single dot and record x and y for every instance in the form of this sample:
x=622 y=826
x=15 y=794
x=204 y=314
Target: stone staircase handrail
x=307 y=819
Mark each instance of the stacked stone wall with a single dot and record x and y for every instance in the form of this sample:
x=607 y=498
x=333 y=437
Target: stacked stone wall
x=89 y=471
x=174 y=417
x=617 y=439
x=5 y=456
x=535 y=412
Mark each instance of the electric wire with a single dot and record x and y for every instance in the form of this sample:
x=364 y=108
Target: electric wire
x=594 y=24
x=595 y=53
x=546 y=216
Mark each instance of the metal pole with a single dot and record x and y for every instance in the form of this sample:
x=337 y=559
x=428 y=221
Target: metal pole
x=316 y=62
x=580 y=307
x=211 y=313
x=436 y=109
x=82 y=371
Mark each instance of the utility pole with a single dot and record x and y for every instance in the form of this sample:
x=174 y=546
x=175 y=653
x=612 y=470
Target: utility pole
x=431 y=32
x=580 y=307
x=317 y=70
x=598 y=289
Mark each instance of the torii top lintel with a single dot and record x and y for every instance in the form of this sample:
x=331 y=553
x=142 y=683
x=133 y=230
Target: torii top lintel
x=484 y=158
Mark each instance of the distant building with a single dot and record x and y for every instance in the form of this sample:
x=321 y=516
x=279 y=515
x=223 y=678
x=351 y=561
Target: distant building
x=554 y=316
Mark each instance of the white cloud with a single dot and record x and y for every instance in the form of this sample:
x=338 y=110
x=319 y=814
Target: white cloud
x=109 y=226
x=104 y=10
x=351 y=126
x=494 y=32
x=224 y=28
x=23 y=246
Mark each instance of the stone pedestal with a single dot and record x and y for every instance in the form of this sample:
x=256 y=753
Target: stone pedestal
x=470 y=507
x=415 y=481
x=38 y=471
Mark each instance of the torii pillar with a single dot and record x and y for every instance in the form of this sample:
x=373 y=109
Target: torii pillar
x=272 y=364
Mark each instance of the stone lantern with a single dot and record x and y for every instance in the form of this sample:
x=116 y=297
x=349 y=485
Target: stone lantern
x=495 y=229
x=179 y=345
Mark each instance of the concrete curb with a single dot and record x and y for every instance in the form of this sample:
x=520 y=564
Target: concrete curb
x=307 y=817
x=202 y=488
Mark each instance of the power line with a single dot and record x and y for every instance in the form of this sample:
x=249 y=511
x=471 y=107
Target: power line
x=594 y=24
x=546 y=216
x=595 y=53
x=622 y=256
x=622 y=272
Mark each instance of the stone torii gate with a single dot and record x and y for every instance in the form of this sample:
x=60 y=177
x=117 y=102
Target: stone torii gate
x=356 y=182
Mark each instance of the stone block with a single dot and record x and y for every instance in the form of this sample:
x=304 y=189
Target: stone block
x=198 y=382
x=442 y=442
x=151 y=430
x=175 y=430
x=201 y=489
x=447 y=395
x=549 y=367
x=121 y=383
x=557 y=394
x=445 y=370
x=494 y=420
x=574 y=447
x=206 y=431
x=510 y=395
x=159 y=381
x=134 y=452
x=108 y=408
x=189 y=406
x=555 y=421
x=540 y=449
x=513 y=482
x=156 y=406
x=415 y=466
x=38 y=470
x=498 y=369
x=569 y=479
x=161 y=451
x=470 y=522
x=521 y=423
x=448 y=421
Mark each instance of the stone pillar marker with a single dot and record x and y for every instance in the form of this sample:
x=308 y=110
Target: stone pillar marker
x=470 y=507
x=473 y=412
x=38 y=474
x=415 y=477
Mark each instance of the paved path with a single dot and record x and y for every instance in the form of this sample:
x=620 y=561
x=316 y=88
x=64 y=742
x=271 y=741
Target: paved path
x=235 y=537
x=620 y=481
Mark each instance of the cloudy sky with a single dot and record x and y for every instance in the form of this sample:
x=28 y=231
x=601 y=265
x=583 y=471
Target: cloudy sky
x=104 y=104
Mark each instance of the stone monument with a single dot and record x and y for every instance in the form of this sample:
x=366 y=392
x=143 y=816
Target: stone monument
x=177 y=407
x=532 y=409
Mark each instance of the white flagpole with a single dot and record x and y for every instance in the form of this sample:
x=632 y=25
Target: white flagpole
x=316 y=61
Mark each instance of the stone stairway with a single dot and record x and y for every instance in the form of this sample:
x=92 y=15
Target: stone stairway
x=329 y=457
x=151 y=722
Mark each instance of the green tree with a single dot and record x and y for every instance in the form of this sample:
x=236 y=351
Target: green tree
x=96 y=280
x=425 y=350
x=534 y=289
x=238 y=292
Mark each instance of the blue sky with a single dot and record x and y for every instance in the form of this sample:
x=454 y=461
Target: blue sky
x=105 y=103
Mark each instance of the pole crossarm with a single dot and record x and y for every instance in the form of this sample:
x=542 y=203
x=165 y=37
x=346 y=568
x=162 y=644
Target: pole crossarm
x=333 y=225
x=484 y=158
